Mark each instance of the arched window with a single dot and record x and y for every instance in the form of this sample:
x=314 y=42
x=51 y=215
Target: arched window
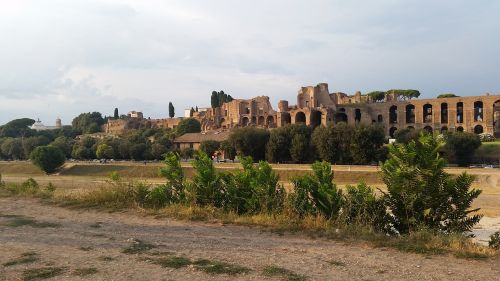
x=428 y=129
x=380 y=118
x=478 y=111
x=444 y=113
x=427 y=113
x=460 y=113
x=393 y=114
x=392 y=131
x=460 y=129
x=357 y=115
x=300 y=117
x=261 y=120
x=244 y=121
x=410 y=114
x=444 y=129
x=478 y=129
x=315 y=119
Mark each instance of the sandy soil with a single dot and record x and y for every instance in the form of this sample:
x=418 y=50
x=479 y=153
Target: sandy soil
x=317 y=259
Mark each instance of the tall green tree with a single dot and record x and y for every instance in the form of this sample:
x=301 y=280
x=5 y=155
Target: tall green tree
x=460 y=147
x=115 y=114
x=48 y=158
x=376 y=96
x=188 y=125
x=421 y=194
x=171 y=110
x=250 y=141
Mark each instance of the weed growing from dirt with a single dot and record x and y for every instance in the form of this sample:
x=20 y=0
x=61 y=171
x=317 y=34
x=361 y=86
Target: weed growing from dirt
x=138 y=247
x=85 y=271
x=17 y=221
x=86 y=249
x=336 y=263
x=28 y=257
x=285 y=274
x=218 y=267
x=42 y=273
x=172 y=262
x=106 y=258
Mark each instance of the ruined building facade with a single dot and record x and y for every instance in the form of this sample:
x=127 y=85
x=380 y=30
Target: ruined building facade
x=317 y=106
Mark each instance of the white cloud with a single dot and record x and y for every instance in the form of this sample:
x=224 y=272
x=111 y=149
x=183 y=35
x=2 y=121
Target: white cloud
x=65 y=57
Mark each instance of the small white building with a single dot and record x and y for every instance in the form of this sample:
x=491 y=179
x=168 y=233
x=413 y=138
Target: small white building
x=39 y=126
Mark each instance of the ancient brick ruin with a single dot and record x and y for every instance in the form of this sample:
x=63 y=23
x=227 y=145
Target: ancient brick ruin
x=317 y=106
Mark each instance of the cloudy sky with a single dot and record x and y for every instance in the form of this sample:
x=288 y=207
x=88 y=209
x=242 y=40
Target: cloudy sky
x=61 y=58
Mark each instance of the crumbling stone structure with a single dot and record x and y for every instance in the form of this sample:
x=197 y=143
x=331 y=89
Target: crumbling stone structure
x=317 y=106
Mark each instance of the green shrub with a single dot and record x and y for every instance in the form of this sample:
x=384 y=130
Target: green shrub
x=254 y=189
x=420 y=193
x=317 y=194
x=206 y=186
x=362 y=207
x=174 y=175
x=48 y=158
x=494 y=242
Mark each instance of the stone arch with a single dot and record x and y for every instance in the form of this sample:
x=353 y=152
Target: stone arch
x=444 y=129
x=478 y=129
x=316 y=118
x=427 y=116
x=244 y=121
x=393 y=114
x=340 y=117
x=444 y=113
x=270 y=120
x=261 y=120
x=287 y=118
x=428 y=129
x=380 y=118
x=357 y=115
x=300 y=117
x=460 y=129
x=392 y=131
x=410 y=114
x=460 y=113
x=478 y=111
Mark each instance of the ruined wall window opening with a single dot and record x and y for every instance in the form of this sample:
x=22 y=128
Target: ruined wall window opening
x=444 y=113
x=392 y=132
x=428 y=129
x=478 y=111
x=357 y=115
x=427 y=113
x=380 y=118
x=460 y=113
x=393 y=114
x=478 y=129
x=410 y=114
x=300 y=117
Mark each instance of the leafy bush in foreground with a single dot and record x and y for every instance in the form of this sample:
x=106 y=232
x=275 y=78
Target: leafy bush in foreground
x=420 y=193
x=316 y=194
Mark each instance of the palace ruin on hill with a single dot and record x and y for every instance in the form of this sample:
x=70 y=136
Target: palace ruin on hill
x=317 y=106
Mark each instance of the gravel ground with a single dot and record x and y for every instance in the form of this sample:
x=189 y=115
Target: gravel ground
x=92 y=239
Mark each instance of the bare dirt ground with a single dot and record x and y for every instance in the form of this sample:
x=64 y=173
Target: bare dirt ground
x=92 y=239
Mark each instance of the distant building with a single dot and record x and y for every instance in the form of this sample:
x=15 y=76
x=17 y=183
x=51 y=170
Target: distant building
x=135 y=114
x=39 y=126
x=193 y=140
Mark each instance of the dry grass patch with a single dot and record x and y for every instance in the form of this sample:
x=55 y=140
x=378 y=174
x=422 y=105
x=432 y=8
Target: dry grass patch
x=28 y=257
x=283 y=273
x=85 y=271
x=42 y=273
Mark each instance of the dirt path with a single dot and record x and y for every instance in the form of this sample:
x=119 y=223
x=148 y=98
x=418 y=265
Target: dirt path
x=90 y=239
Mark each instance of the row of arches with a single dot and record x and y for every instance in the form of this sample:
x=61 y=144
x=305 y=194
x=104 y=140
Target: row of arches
x=260 y=120
x=478 y=129
x=427 y=116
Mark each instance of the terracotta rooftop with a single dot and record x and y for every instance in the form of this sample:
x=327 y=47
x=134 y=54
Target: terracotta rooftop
x=199 y=137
